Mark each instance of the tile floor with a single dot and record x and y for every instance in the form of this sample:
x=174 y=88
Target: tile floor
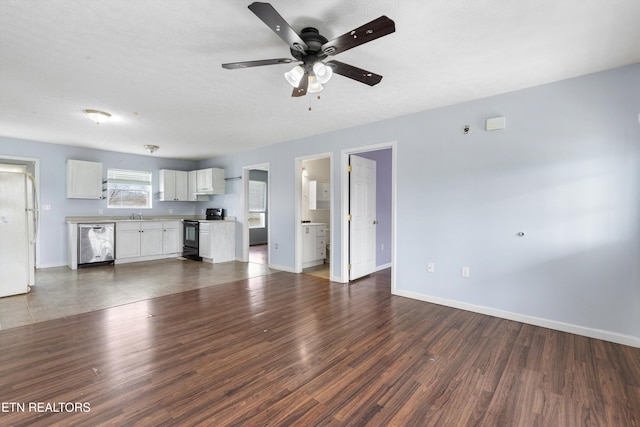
x=60 y=292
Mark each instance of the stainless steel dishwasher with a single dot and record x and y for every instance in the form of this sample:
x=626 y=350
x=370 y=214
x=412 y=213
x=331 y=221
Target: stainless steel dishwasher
x=96 y=244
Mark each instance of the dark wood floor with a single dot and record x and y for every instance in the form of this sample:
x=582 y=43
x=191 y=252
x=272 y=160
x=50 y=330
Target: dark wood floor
x=287 y=349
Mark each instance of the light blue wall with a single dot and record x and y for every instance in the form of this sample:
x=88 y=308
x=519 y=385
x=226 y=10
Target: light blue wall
x=565 y=171
x=53 y=188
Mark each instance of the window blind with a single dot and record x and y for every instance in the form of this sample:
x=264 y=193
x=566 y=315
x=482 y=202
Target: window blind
x=121 y=176
x=257 y=196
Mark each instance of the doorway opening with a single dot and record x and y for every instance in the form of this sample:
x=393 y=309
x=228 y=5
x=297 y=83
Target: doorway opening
x=313 y=215
x=256 y=212
x=368 y=235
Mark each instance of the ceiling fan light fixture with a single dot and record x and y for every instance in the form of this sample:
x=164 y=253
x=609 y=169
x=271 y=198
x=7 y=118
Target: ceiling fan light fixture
x=314 y=85
x=97 y=115
x=151 y=148
x=294 y=76
x=322 y=71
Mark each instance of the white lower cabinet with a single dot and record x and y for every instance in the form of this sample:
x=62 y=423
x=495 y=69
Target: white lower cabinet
x=204 y=242
x=171 y=237
x=143 y=240
x=127 y=240
x=150 y=238
x=313 y=244
x=217 y=241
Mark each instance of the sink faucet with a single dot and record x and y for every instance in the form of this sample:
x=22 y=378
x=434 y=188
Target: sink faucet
x=140 y=215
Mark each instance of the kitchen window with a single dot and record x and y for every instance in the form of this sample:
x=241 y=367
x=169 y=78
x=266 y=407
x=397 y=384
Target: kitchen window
x=257 y=204
x=128 y=189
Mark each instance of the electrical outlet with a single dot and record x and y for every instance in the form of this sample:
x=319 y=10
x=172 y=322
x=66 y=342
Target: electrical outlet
x=170 y=211
x=276 y=245
x=382 y=246
x=46 y=207
x=465 y=271
x=431 y=267
x=100 y=211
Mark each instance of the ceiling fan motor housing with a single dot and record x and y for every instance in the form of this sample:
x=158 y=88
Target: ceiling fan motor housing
x=314 y=40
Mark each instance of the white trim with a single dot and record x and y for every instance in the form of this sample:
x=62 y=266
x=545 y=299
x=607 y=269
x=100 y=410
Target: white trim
x=281 y=268
x=344 y=229
x=531 y=320
x=383 y=266
x=129 y=260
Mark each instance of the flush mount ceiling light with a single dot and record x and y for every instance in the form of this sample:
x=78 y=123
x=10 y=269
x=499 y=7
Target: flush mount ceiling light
x=97 y=115
x=151 y=148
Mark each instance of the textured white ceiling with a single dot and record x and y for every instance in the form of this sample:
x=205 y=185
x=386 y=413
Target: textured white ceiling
x=155 y=65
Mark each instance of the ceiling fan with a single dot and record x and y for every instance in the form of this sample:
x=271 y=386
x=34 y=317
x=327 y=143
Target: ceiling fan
x=311 y=49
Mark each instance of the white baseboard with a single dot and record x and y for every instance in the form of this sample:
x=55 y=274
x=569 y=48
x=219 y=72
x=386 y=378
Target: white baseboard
x=282 y=268
x=383 y=267
x=41 y=266
x=531 y=320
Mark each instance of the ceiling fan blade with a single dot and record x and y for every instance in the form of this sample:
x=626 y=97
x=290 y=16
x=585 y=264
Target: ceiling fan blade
x=355 y=73
x=259 y=63
x=370 y=31
x=278 y=25
x=301 y=90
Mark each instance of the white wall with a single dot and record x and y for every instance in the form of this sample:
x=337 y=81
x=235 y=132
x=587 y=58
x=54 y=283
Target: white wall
x=565 y=172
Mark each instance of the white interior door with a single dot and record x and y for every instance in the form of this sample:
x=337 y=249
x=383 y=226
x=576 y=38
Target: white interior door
x=362 y=208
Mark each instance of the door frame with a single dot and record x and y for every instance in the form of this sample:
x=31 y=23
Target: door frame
x=344 y=210
x=28 y=161
x=245 y=209
x=298 y=210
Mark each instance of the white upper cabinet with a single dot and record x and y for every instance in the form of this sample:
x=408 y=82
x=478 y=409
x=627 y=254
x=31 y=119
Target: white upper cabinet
x=210 y=181
x=173 y=185
x=84 y=179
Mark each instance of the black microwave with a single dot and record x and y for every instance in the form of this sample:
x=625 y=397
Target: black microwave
x=215 y=214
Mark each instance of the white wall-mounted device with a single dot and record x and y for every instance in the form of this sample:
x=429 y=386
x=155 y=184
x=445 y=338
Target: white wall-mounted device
x=496 y=123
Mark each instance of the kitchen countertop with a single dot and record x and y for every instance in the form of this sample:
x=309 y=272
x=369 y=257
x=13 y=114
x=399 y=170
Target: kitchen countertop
x=107 y=219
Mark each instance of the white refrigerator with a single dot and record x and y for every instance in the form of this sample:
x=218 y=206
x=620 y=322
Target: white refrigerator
x=18 y=228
